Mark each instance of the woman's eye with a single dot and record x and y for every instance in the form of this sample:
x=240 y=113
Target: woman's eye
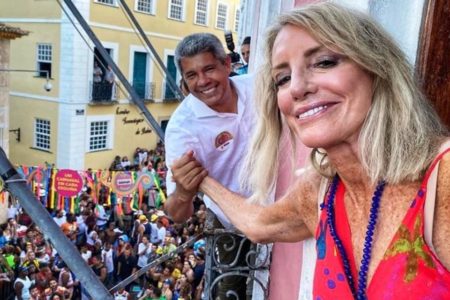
x=282 y=80
x=326 y=63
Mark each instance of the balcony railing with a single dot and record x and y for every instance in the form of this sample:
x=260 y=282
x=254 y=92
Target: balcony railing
x=103 y=91
x=244 y=262
x=145 y=90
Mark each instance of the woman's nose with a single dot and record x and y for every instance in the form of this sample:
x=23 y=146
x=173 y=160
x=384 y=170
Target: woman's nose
x=301 y=85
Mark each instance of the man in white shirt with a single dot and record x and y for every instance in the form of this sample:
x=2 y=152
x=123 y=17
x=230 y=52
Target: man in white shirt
x=108 y=260
x=214 y=122
x=144 y=251
x=212 y=127
x=60 y=217
x=161 y=232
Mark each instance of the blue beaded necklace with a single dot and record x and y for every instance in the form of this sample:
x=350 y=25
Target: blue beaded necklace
x=360 y=293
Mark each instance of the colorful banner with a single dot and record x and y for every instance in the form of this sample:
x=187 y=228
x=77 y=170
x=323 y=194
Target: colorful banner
x=61 y=189
x=68 y=183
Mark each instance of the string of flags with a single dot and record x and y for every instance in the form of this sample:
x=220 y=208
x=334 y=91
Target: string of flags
x=62 y=188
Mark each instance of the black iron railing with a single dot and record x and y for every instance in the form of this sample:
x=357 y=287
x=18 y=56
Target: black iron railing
x=103 y=91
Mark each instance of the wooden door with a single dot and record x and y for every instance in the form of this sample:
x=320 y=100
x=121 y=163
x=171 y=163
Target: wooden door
x=140 y=73
x=433 y=63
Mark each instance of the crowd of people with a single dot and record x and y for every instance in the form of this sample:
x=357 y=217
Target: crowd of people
x=114 y=247
x=152 y=159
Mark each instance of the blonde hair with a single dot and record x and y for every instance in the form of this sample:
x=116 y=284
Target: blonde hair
x=401 y=133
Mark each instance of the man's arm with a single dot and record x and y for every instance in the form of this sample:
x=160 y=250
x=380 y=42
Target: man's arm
x=187 y=173
x=142 y=249
x=103 y=274
x=119 y=266
x=18 y=286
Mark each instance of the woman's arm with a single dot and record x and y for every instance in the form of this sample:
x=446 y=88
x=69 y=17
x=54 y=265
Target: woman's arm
x=441 y=227
x=278 y=222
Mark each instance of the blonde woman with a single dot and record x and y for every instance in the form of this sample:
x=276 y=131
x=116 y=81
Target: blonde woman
x=380 y=151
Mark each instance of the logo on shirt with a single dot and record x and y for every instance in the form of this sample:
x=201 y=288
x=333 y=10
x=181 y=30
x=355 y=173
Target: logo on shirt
x=223 y=139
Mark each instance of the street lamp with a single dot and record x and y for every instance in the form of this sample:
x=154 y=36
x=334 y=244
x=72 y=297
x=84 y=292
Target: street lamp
x=47 y=86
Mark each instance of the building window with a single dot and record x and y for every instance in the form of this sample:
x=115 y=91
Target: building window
x=44 y=60
x=98 y=135
x=145 y=6
x=236 y=19
x=42 y=134
x=201 y=13
x=221 y=20
x=176 y=9
x=110 y=2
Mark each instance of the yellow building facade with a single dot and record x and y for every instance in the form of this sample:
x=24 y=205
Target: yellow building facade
x=84 y=121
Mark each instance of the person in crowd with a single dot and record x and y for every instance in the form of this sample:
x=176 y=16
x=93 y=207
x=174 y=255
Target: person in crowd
x=347 y=91
x=102 y=216
x=161 y=169
x=111 y=233
x=108 y=258
x=23 y=284
x=3 y=239
x=30 y=259
x=166 y=289
x=109 y=83
x=99 y=268
x=125 y=163
x=136 y=157
x=43 y=278
x=55 y=290
x=122 y=294
x=66 y=281
x=126 y=263
x=70 y=227
x=161 y=232
x=144 y=228
x=116 y=164
x=86 y=254
x=36 y=294
x=97 y=79
x=245 y=54
x=144 y=251
x=60 y=217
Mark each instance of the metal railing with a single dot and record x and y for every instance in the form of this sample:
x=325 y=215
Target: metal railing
x=244 y=262
x=146 y=90
x=102 y=91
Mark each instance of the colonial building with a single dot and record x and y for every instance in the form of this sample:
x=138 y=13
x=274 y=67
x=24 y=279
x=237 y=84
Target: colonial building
x=7 y=33
x=86 y=118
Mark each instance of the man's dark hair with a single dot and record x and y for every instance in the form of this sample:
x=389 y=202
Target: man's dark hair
x=246 y=40
x=198 y=43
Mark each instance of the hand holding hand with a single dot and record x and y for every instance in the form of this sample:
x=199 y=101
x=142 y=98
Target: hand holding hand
x=187 y=173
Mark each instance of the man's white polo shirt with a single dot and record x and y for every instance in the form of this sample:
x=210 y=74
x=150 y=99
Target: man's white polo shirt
x=219 y=140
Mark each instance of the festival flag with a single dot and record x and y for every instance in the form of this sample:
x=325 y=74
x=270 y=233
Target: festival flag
x=119 y=209
x=52 y=192
x=141 y=194
x=37 y=182
x=160 y=198
x=67 y=203
x=72 y=205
